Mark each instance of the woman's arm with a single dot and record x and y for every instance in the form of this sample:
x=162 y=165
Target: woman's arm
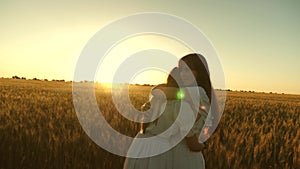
x=193 y=144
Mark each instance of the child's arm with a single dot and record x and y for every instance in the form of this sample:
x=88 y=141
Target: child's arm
x=169 y=92
x=144 y=108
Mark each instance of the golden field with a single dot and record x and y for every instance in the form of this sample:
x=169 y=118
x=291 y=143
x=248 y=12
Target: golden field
x=39 y=129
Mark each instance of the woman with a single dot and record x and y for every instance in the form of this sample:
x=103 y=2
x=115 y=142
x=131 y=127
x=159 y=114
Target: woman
x=194 y=73
x=187 y=153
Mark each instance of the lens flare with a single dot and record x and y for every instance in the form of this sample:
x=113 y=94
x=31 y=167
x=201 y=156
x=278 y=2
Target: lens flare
x=180 y=95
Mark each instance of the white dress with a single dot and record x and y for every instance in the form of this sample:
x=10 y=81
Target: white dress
x=181 y=117
x=153 y=149
x=183 y=158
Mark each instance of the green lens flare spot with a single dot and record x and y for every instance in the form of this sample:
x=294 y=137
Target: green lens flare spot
x=180 y=95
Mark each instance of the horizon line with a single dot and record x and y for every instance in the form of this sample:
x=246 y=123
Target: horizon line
x=139 y=84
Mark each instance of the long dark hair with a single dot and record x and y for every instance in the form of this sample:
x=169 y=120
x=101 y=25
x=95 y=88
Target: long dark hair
x=196 y=62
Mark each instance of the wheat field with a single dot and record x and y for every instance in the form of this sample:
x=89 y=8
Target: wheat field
x=39 y=129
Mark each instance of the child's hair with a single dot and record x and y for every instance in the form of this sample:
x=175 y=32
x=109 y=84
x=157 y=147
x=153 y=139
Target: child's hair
x=173 y=78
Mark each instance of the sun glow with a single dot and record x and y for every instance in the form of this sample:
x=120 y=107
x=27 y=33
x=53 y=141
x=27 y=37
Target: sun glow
x=130 y=46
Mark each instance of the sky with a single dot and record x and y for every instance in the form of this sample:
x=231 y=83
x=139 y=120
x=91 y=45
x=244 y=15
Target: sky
x=257 y=41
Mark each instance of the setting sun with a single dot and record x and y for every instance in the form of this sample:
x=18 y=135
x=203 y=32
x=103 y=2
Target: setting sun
x=147 y=44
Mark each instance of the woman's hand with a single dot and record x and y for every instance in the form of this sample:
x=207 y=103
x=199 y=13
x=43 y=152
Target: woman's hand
x=193 y=144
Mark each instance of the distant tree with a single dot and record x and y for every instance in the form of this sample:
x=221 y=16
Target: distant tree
x=46 y=80
x=24 y=78
x=55 y=80
x=16 y=77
